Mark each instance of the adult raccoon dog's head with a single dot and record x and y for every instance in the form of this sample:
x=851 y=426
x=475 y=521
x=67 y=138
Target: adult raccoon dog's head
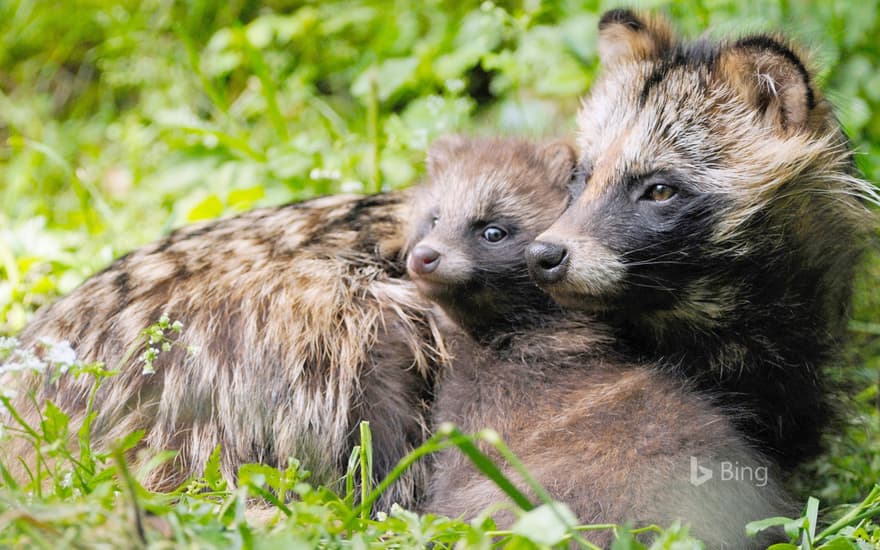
x=719 y=181
x=485 y=202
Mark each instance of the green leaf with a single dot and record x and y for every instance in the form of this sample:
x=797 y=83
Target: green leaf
x=485 y=464
x=366 y=465
x=478 y=34
x=546 y=524
x=580 y=33
x=243 y=199
x=390 y=76
x=9 y=480
x=755 y=527
x=209 y=208
x=812 y=517
x=128 y=442
x=260 y=31
x=289 y=163
x=626 y=540
x=855 y=115
x=839 y=543
x=154 y=462
x=54 y=424
x=212 y=473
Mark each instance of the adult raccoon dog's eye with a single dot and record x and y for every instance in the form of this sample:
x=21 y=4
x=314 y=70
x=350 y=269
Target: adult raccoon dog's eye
x=660 y=192
x=493 y=234
x=434 y=220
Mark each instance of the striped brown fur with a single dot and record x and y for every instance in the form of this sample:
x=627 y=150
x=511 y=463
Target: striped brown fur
x=304 y=326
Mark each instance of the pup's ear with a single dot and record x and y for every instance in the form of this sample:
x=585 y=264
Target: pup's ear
x=627 y=36
x=443 y=152
x=771 y=79
x=560 y=158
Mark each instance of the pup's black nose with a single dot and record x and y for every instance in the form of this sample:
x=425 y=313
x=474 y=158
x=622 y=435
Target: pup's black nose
x=548 y=262
x=423 y=259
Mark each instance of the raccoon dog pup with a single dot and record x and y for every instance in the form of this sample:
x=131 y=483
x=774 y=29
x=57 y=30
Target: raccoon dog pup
x=612 y=439
x=720 y=223
x=304 y=328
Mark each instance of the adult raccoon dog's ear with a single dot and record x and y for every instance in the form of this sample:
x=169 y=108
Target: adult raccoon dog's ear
x=442 y=152
x=771 y=78
x=560 y=158
x=627 y=36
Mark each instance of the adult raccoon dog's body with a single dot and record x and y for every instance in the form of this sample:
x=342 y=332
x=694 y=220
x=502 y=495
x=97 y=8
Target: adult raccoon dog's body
x=720 y=223
x=303 y=328
x=613 y=439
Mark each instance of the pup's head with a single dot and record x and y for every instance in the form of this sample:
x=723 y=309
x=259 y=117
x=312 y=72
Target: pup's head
x=485 y=202
x=709 y=166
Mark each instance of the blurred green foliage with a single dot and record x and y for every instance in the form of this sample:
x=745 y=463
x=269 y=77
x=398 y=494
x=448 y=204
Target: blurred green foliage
x=120 y=120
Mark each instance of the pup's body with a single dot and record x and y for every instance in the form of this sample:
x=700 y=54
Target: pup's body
x=720 y=223
x=303 y=328
x=616 y=442
x=610 y=438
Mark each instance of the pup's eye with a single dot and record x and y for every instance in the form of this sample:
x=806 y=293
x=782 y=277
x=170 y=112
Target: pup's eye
x=493 y=234
x=579 y=180
x=434 y=221
x=660 y=192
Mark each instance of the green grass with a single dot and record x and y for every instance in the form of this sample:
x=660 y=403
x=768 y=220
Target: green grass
x=122 y=120
x=77 y=496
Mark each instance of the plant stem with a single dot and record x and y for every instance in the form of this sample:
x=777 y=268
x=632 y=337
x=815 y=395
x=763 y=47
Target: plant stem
x=373 y=133
x=366 y=453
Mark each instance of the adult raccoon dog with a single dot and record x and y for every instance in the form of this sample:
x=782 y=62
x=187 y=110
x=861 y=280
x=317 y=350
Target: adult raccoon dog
x=617 y=441
x=304 y=326
x=720 y=223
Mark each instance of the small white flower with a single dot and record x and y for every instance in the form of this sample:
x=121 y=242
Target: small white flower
x=455 y=85
x=324 y=174
x=61 y=353
x=352 y=186
x=420 y=139
x=7 y=345
x=435 y=104
x=9 y=392
x=23 y=360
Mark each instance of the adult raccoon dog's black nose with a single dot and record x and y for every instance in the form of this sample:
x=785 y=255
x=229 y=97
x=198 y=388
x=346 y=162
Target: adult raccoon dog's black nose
x=548 y=262
x=423 y=259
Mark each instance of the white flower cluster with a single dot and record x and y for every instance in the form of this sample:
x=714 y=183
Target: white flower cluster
x=158 y=341
x=18 y=359
x=7 y=346
x=59 y=355
x=15 y=359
